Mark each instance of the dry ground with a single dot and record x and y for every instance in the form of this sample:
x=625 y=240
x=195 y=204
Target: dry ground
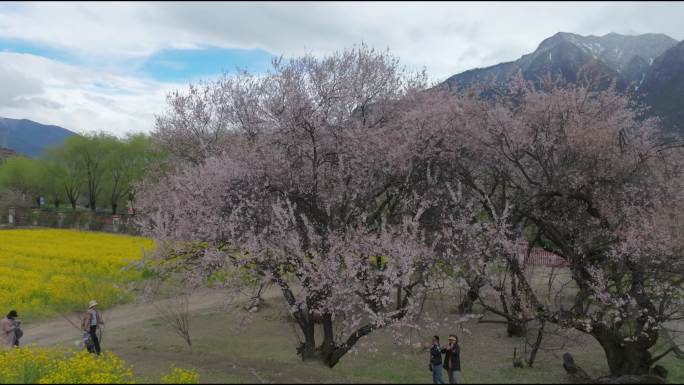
x=262 y=350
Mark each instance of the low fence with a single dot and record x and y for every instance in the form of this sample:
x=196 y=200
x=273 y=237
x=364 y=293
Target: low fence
x=68 y=219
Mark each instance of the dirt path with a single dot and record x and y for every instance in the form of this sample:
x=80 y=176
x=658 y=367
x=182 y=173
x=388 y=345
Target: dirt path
x=60 y=331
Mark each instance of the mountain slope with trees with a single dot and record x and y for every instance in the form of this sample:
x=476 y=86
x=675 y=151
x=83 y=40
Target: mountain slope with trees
x=30 y=138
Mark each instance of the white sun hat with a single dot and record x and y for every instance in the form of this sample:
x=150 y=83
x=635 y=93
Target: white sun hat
x=92 y=303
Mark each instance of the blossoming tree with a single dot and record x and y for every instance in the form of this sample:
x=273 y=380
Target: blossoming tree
x=308 y=185
x=576 y=171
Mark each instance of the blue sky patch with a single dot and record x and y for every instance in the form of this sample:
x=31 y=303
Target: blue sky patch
x=193 y=64
x=20 y=46
x=171 y=65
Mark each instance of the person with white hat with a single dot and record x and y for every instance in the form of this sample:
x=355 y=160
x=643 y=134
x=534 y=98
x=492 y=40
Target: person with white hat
x=91 y=322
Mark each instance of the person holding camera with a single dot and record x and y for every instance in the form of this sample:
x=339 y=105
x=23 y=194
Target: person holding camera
x=435 y=364
x=10 y=331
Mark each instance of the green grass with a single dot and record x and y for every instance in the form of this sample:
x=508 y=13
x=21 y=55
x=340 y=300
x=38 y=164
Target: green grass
x=675 y=368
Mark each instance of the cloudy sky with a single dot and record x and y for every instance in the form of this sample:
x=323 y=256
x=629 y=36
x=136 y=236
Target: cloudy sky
x=108 y=66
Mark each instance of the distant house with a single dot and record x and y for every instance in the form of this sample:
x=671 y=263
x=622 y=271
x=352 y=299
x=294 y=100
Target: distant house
x=6 y=153
x=540 y=257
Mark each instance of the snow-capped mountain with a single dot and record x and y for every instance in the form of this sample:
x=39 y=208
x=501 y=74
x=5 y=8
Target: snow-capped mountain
x=650 y=66
x=626 y=58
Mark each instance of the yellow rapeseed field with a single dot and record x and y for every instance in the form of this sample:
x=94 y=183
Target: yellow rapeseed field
x=40 y=365
x=45 y=272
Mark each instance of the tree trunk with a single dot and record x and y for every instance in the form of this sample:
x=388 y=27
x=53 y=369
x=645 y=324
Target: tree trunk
x=466 y=305
x=328 y=335
x=580 y=300
x=338 y=352
x=579 y=376
x=537 y=344
x=307 y=349
x=114 y=206
x=625 y=358
x=515 y=325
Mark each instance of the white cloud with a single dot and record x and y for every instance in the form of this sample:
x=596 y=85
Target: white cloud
x=17 y=86
x=432 y=34
x=445 y=37
x=108 y=39
x=80 y=99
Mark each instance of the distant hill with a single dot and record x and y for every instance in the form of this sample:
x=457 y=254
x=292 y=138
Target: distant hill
x=30 y=138
x=649 y=66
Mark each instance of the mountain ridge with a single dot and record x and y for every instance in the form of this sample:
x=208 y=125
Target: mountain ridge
x=617 y=52
x=648 y=66
x=30 y=138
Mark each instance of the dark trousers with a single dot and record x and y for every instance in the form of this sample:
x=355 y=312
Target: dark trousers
x=93 y=336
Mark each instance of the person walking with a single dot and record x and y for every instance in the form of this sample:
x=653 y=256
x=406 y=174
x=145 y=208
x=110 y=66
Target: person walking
x=8 y=330
x=436 y=361
x=452 y=359
x=91 y=322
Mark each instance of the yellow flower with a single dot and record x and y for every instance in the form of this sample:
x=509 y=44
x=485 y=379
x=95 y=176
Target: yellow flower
x=34 y=365
x=46 y=271
x=181 y=376
x=86 y=368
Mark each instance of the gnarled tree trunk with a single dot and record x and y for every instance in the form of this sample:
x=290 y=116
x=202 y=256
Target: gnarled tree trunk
x=579 y=376
x=625 y=358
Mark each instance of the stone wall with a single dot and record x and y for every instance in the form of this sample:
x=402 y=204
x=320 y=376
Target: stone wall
x=68 y=219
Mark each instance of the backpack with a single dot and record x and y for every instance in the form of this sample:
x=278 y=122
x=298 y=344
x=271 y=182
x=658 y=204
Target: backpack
x=85 y=324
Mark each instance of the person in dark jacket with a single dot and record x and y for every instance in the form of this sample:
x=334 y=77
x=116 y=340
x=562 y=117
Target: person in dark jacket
x=452 y=359
x=436 y=361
